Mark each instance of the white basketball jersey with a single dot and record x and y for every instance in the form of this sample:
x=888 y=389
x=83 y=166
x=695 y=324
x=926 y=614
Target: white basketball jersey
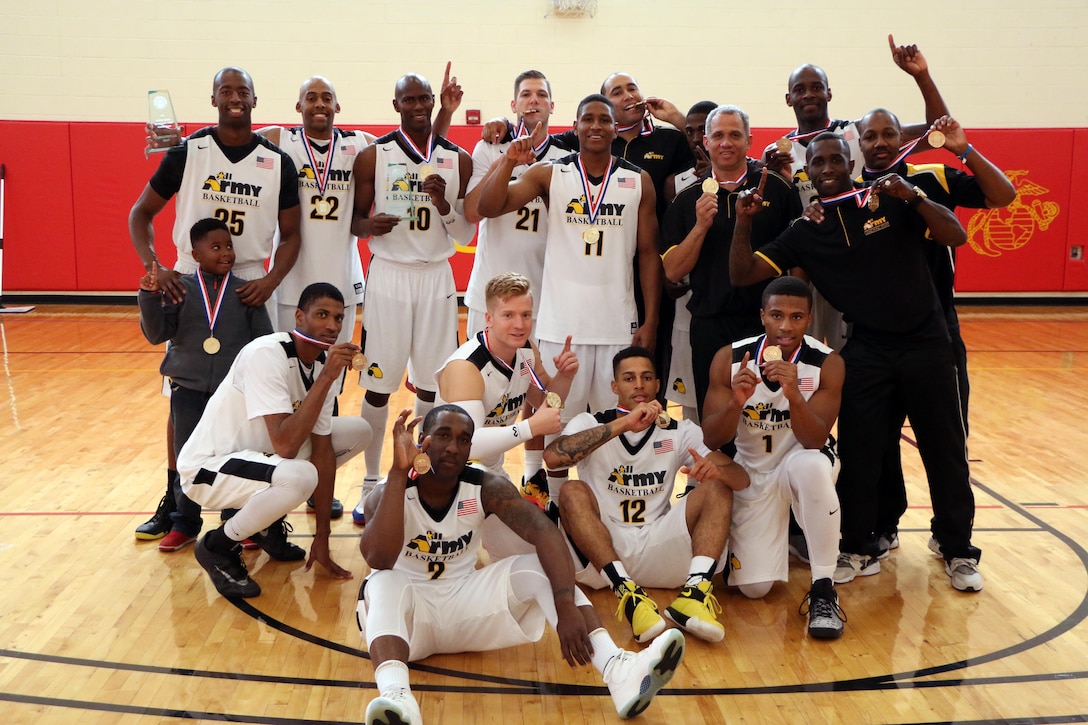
x=504 y=390
x=330 y=252
x=588 y=286
x=442 y=544
x=513 y=242
x=245 y=195
x=764 y=434
x=633 y=474
x=422 y=239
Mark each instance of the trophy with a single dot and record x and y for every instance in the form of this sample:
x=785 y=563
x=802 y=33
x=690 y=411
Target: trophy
x=398 y=192
x=163 y=121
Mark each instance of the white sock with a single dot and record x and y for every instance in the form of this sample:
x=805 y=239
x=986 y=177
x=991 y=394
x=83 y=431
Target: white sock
x=534 y=461
x=702 y=568
x=377 y=418
x=391 y=675
x=422 y=407
x=604 y=649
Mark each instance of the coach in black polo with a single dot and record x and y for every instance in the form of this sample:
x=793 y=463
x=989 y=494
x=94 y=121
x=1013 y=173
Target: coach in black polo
x=867 y=257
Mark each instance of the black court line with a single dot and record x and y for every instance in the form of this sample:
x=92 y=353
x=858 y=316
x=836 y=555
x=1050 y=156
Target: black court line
x=510 y=686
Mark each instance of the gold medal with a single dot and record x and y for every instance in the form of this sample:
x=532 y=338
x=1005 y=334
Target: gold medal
x=211 y=345
x=425 y=171
x=783 y=145
x=771 y=353
x=591 y=235
x=874 y=201
x=936 y=139
x=553 y=400
x=323 y=208
x=421 y=463
x=358 y=361
x=710 y=185
x=663 y=419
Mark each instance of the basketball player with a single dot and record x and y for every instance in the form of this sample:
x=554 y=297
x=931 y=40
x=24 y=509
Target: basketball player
x=267 y=440
x=409 y=192
x=497 y=375
x=229 y=173
x=514 y=241
x=619 y=516
x=778 y=394
x=426 y=596
x=600 y=216
x=868 y=258
x=697 y=231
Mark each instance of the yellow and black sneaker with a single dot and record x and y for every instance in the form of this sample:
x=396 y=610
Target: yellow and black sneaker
x=696 y=610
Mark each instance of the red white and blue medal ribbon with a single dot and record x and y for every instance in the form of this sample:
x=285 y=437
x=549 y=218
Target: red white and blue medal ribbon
x=521 y=131
x=646 y=124
x=212 y=314
x=322 y=177
x=737 y=181
x=313 y=341
x=411 y=145
x=904 y=151
x=537 y=382
x=593 y=207
x=796 y=135
x=860 y=196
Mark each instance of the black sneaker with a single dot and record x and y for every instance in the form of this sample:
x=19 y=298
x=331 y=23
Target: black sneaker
x=274 y=541
x=337 y=507
x=160 y=524
x=825 y=619
x=227 y=571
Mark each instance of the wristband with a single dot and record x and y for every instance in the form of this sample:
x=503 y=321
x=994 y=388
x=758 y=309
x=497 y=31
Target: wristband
x=966 y=151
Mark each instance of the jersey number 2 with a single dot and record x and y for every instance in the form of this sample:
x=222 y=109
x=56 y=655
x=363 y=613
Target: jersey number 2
x=436 y=568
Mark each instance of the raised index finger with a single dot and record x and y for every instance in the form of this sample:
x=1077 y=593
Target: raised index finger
x=891 y=43
x=744 y=360
x=449 y=64
x=762 y=182
x=566 y=345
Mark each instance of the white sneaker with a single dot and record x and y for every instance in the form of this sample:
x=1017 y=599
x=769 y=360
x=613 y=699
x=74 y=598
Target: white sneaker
x=965 y=575
x=634 y=678
x=357 y=513
x=851 y=566
x=398 y=707
x=887 y=542
x=935 y=546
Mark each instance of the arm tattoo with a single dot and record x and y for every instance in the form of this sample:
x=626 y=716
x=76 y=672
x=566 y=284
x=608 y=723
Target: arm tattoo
x=577 y=446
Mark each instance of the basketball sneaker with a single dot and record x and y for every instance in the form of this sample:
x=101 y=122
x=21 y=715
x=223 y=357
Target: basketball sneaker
x=535 y=490
x=159 y=524
x=274 y=541
x=175 y=540
x=227 y=570
x=886 y=542
x=634 y=678
x=696 y=609
x=965 y=574
x=825 y=619
x=398 y=707
x=357 y=513
x=641 y=611
x=851 y=566
x=337 y=507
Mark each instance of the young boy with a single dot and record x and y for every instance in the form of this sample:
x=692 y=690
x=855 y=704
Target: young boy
x=205 y=332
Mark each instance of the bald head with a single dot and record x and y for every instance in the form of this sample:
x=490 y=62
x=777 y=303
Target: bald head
x=316 y=83
x=882 y=114
x=229 y=71
x=804 y=70
x=318 y=106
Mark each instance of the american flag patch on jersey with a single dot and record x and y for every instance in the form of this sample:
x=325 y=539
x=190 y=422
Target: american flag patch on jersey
x=664 y=446
x=445 y=163
x=265 y=162
x=806 y=385
x=348 y=150
x=467 y=507
x=626 y=182
x=523 y=369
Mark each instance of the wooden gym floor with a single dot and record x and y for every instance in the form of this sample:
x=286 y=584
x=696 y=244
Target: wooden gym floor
x=96 y=627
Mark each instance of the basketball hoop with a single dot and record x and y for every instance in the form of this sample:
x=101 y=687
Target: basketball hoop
x=575 y=8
